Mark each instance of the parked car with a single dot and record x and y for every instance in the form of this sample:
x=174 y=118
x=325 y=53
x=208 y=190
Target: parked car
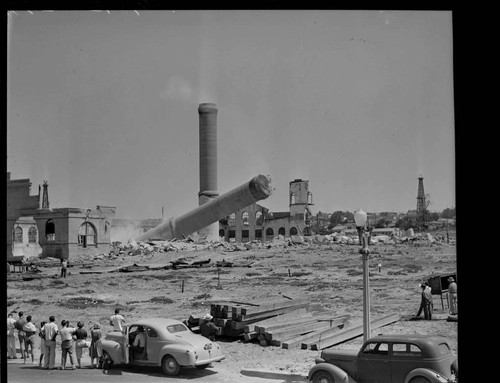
x=169 y=344
x=389 y=359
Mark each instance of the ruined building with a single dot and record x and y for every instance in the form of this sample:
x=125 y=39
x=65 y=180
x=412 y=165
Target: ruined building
x=255 y=222
x=33 y=228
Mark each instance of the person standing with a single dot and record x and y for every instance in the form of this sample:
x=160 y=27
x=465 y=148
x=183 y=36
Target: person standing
x=11 y=337
x=81 y=342
x=95 y=350
x=49 y=332
x=452 y=295
x=426 y=301
x=21 y=335
x=66 y=334
x=29 y=342
x=42 y=343
x=117 y=321
x=64 y=267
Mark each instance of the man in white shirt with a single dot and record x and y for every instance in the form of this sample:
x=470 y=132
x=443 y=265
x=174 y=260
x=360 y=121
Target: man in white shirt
x=50 y=331
x=117 y=321
x=11 y=337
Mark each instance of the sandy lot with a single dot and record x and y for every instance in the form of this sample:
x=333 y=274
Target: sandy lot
x=330 y=274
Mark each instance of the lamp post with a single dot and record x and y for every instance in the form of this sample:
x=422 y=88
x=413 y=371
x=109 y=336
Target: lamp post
x=360 y=218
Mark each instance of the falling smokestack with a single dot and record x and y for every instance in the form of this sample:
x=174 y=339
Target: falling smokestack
x=208 y=163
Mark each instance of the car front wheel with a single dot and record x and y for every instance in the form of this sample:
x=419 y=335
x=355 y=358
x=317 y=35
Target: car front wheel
x=420 y=379
x=323 y=377
x=170 y=365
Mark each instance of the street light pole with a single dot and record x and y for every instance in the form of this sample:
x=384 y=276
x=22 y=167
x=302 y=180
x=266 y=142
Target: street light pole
x=360 y=218
x=365 y=252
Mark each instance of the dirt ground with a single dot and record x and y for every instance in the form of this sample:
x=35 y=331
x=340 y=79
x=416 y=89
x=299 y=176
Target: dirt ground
x=330 y=274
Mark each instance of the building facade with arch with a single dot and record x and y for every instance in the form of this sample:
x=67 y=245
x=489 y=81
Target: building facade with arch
x=34 y=229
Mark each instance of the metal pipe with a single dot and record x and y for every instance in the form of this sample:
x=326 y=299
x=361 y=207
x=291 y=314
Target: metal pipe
x=256 y=189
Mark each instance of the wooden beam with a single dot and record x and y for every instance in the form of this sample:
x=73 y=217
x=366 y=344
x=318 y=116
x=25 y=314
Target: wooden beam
x=299 y=340
x=248 y=311
x=303 y=329
x=348 y=333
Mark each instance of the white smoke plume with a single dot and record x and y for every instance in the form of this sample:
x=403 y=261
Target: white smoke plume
x=124 y=233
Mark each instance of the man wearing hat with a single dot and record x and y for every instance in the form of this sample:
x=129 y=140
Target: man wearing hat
x=452 y=294
x=207 y=327
x=426 y=303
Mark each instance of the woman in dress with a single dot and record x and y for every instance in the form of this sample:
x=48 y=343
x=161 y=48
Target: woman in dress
x=42 y=343
x=95 y=350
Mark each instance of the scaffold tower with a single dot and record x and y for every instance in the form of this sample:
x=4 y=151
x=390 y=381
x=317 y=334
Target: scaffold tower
x=45 y=199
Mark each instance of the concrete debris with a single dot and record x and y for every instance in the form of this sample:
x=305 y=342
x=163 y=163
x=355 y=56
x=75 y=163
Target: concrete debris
x=134 y=248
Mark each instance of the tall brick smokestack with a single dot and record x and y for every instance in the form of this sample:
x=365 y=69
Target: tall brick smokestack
x=208 y=163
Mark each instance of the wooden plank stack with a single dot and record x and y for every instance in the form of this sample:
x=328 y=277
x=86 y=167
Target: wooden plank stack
x=286 y=323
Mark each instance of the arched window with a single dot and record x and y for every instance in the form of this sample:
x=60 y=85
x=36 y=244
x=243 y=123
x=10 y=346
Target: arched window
x=269 y=234
x=18 y=235
x=50 y=231
x=309 y=198
x=259 y=220
x=221 y=233
x=282 y=231
x=293 y=231
x=292 y=198
x=232 y=220
x=244 y=218
x=32 y=233
x=87 y=234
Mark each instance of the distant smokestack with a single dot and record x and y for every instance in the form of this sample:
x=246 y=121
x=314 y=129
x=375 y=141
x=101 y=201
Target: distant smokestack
x=208 y=163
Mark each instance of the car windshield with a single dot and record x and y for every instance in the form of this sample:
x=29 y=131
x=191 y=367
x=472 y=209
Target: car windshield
x=176 y=328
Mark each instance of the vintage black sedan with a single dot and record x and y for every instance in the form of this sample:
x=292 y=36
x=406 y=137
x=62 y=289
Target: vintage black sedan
x=389 y=359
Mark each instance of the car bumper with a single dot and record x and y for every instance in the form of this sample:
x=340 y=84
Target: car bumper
x=210 y=360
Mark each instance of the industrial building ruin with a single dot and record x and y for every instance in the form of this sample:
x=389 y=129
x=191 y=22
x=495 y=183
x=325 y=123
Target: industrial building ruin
x=256 y=222
x=34 y=229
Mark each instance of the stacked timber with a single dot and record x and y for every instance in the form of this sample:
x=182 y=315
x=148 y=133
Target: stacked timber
x=235 y=318
x=290 y=323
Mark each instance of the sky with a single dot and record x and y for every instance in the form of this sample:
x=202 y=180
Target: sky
x=104 y=106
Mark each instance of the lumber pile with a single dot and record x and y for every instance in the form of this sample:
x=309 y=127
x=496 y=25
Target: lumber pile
x=285 y=323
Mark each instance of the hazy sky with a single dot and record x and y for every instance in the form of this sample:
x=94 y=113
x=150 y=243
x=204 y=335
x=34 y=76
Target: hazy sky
x=104 y=106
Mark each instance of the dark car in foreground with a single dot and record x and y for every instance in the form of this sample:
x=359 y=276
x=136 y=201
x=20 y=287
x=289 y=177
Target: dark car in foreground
x=169 y=344
x=389 y=359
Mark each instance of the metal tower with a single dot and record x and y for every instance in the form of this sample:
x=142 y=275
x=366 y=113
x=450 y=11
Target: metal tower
x=45 y=199
x=420 y=196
